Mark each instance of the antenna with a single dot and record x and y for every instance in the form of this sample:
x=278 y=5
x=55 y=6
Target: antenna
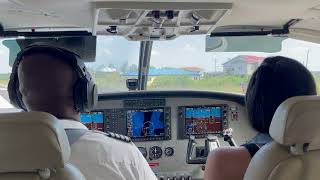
x=307 y=61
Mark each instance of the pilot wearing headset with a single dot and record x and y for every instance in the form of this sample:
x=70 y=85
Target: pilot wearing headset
x=54 y=80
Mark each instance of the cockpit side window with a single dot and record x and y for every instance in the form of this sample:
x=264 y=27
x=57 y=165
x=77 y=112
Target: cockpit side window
x=5 y=71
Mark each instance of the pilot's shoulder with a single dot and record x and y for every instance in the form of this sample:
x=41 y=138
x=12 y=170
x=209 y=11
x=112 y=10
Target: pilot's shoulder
x=115 y=136
x=113 y=148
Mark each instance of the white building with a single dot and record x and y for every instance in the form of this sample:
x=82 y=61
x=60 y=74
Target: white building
x=242 y=65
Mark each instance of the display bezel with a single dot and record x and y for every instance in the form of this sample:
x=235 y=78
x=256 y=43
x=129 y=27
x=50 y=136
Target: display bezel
x=183 y=134
x=166 y=120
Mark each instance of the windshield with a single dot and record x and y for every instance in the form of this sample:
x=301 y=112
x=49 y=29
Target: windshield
x=180 y=64
x=114 y=57
x=184 y=64
x=5 y=70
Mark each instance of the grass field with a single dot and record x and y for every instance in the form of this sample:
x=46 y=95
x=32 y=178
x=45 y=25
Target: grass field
x=4 y=79
x=109 y=82
x=217 y=83
x=234 y=84
x=113 y=82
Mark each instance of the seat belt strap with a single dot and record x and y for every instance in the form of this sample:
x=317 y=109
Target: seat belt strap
x=74 y=134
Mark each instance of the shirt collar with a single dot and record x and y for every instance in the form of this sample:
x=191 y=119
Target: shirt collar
x=71 y=124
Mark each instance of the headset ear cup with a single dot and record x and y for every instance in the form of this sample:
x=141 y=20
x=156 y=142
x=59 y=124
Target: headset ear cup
x=78 y=96
x=95 y=95
x=20 y=100
x=14 y=93
x=92 y=97
x=85 y=95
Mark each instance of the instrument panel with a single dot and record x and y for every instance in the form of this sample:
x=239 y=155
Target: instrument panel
x=160 y=128
x=151 y=124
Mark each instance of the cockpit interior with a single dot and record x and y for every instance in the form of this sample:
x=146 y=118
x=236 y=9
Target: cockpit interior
x=162 y=126
x=171 y=75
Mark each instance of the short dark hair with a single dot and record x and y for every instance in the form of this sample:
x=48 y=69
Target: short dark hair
x=276 y=79
x=52 y=51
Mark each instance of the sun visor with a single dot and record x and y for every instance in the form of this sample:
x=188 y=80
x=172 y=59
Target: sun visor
x=305 y=35
x=84 y=46
x=267 y=44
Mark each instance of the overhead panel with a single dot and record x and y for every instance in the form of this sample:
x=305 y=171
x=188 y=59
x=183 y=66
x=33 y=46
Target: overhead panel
x=140 y=21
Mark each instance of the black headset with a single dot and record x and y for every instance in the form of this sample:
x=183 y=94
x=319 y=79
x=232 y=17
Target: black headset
x=84 y=90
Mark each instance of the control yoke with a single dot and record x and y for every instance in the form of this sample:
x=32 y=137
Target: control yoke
x=211 y=143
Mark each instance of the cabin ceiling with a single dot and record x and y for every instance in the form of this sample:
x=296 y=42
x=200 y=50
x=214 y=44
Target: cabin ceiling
x=164 y=20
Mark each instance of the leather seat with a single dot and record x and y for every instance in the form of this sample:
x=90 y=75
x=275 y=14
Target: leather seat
x=294 y=153
x=34 y=146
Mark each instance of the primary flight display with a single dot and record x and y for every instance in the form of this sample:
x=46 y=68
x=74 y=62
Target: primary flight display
x=199 y=120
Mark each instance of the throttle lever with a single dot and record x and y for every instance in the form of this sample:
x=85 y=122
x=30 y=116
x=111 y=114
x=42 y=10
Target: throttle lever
x=211 y=143
x=227 y=136
x=190 y=149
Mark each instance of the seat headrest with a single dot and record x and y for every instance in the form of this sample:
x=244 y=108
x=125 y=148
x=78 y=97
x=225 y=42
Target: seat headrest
x=31 y=141
x=296 y=122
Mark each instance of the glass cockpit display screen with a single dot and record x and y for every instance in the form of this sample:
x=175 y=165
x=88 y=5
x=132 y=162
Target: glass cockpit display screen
x=146 y=123
x=93 y=120
x=203 y=120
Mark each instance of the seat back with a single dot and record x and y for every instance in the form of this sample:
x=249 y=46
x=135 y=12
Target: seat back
x=294 y=152
x=34 y=146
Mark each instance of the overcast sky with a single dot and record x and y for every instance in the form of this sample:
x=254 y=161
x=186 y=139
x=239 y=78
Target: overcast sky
x=190 y=51
x=181 y=52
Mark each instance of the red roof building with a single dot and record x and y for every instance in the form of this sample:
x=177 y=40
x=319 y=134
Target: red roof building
x=252 y=59
x=242 y=65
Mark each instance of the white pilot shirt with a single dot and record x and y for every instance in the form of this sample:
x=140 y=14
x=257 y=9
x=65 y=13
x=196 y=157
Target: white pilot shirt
x=103 y=158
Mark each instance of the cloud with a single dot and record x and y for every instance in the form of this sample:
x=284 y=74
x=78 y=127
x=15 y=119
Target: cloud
x=107 y=52
x=155 y=53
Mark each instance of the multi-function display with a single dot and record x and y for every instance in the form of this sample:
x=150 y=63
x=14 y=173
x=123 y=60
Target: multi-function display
x=146 y=123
